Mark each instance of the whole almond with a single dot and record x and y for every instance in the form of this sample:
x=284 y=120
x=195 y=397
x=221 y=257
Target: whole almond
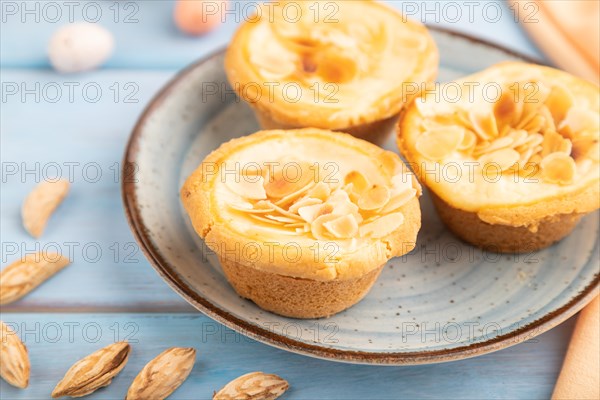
x=14 y=360
x=253 y=386
x=94 y=371
x=161 y=376
x=41 y=203
x=24 y=275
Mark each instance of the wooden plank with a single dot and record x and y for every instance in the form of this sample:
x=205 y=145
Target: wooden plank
x=55 y=341
x=83 y=141
x=142 y=27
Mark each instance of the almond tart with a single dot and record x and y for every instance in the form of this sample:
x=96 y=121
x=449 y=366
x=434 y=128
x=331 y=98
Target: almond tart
x=347 y=66
x=303 y=220
x=512 y=162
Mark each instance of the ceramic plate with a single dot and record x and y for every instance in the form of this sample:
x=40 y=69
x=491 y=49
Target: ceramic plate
x=444 y=301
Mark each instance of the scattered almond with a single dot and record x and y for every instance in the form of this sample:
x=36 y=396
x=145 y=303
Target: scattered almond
x=558 y=168
x=14 y=360
x=358 y=181
x=439 y=143
x=22 y=276
x=253 y=386
x=374 y=198
x=163 y=375
x=41 y=203
x=94 y=371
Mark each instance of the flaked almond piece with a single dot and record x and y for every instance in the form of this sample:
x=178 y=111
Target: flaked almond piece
x=496 y=144
x=558 y=168
x=343 y=227
x=469 y=140
x=484 y=124
x=555 y=142
x=14 y=360
x=289 y=179
x=22 y=276
x=253 y=386
x=320 y=191
x=251 y=188
x=163 y=375
x=41 y=203
x=94 y=371
x=437 y=144
x=506 y=110
x=290 y=198
x=559 y=102
x=306 y=201
x=359 y=182
x=374 y=198
x=318 y=229
x=578 y=120
x=382 y=226
x=503 y=159
x=310 y=213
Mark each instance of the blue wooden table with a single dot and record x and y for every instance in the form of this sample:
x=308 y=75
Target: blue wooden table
x=77 y=126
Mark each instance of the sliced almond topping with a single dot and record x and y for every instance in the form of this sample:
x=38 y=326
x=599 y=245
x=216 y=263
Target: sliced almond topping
x=320 y=191
x=484 y=124
x=343 y=227
x=288 y=180
x=359 y=181
x=247 y=188
x=555 y=142
x=558 y=168
x=503 y=158
x=41 y=203
x=437 y=144
x=507 y=110
x=310 y=213
x=382 y=226
x=518 y=136
x=285 y=220
x=290 y=198
x=559 y=101
x=374 y=198
x=497 y=144
x=399 y=200
x=469 y=140
x=318 y=229
x=306 y=201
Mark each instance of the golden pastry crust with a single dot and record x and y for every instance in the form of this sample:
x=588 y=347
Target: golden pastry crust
x=297 y=297
x=541 y=144
x=236 y=237
x=350 y=71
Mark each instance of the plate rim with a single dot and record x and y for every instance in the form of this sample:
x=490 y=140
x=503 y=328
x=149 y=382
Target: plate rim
x=166 y=271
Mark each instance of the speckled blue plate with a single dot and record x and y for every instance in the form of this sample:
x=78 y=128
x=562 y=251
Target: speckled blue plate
x=444 y=301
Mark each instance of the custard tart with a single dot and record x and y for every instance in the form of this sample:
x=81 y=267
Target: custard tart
x=512 y=160
x=340 y=65
x=303 y=220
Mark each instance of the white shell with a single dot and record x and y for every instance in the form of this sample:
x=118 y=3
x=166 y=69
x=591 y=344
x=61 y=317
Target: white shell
x=80 y=47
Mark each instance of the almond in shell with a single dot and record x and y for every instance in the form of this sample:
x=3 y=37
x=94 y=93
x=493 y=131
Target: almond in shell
x=163 y=375
x=253 y=386
x=94 y=371
x=41 y=203
x=14 y=360
x=24 y=275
